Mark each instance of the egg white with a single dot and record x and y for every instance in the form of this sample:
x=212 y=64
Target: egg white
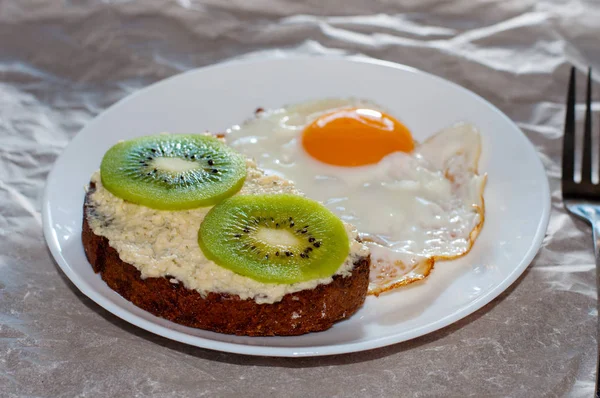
x=410 y=208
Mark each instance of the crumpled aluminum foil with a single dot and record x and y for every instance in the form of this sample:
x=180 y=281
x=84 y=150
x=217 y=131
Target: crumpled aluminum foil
x=63 y=62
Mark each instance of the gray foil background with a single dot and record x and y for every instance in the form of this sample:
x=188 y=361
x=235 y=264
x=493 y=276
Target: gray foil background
x=63 y=62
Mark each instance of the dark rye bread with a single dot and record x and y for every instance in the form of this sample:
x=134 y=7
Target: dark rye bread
x=297 y=313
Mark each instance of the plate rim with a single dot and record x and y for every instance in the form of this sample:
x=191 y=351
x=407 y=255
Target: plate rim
x=302 y=351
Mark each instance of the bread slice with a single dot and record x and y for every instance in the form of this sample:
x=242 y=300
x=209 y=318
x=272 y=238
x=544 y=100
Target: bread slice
x=296 y=313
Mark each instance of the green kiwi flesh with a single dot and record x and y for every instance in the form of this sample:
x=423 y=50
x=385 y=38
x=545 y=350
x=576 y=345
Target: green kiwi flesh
x=173 y=172
x=280 y=238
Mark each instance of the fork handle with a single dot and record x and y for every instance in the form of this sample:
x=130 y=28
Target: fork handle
x=595 y=221
x=591 y=214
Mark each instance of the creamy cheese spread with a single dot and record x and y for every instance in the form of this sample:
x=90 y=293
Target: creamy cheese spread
x=163 y=243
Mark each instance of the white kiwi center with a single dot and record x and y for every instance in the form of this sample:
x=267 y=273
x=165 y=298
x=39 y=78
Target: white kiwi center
x=276 y=237
x=174 y=165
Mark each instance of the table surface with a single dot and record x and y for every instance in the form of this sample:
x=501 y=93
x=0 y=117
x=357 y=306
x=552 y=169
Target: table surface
x=62 y=63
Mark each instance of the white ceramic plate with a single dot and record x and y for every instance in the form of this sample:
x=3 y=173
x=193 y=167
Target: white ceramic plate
x=517 y=196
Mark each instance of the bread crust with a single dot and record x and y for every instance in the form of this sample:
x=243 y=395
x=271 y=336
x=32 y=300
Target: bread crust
x=297 y=313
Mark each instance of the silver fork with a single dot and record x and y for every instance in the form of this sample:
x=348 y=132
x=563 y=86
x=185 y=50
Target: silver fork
x=582 y=198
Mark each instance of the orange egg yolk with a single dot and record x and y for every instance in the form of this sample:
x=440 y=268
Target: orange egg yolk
x=355 y=137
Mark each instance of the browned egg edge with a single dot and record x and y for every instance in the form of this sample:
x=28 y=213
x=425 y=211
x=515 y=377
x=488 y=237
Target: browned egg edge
x=428 y=265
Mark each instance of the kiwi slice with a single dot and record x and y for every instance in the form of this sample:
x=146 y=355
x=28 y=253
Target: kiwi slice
x=173 y=172
x=280 y=238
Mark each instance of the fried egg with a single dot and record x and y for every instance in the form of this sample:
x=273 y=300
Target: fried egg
x=412 y=203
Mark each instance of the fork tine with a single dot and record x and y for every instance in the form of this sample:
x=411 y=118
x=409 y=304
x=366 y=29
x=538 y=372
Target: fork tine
x=568 y=155
x=586 y=164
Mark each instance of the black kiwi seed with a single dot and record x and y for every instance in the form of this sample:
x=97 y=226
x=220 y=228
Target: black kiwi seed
x=317 y=244
x=237 y=235
x=311 y=239
x=210 y=162
x=292 y=224
x=288 y=254
x=277 y=253
x=215 y=171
